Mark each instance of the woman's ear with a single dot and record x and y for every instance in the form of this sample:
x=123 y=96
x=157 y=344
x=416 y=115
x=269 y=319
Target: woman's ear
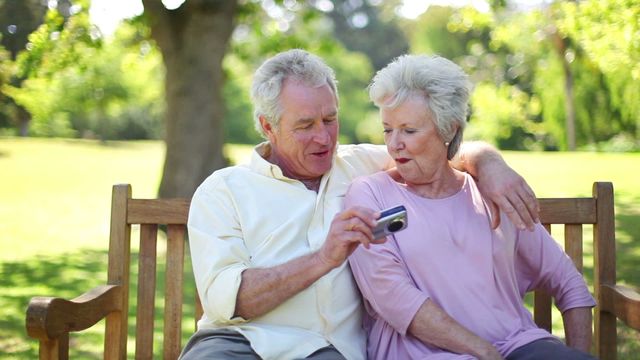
x=454 y=144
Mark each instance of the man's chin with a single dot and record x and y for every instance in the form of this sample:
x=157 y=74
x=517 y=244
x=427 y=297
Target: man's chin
x=322 y=169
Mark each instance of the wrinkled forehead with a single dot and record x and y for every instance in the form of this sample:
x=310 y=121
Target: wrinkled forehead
x=313 y=82
x=308 y=99
x=301 y=101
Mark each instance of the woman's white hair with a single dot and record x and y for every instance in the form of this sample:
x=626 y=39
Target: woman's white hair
x=295 y=64
x=444 y=86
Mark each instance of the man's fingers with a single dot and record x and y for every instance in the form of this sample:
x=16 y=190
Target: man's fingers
x=531 y=201
x=495 y=214
x=356 y=224
x=521 y=215
x=368 y=216
x=364 y=241
x=509 y=208
x=526 y=204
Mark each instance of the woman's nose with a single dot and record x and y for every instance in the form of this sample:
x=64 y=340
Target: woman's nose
x=395 y=142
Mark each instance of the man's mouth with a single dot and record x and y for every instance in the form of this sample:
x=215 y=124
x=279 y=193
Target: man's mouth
x=320 y=153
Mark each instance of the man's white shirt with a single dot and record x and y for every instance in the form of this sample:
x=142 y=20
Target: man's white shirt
x=252 y=216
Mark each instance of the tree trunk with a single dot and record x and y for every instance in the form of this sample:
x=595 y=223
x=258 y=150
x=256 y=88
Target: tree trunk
x=569 y=98
x=569 y=104
x=193 y=40
x=24 y=118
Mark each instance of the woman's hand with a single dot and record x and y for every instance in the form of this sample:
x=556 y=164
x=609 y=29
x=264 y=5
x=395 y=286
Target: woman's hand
x=490 y=353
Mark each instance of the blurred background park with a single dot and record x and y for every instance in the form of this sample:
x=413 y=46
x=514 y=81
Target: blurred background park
x=155 y=94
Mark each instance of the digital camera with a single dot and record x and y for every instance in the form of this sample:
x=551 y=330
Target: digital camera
x=390 y=221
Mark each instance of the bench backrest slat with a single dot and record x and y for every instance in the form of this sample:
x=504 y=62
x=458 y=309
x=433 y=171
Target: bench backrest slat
x=542 y=300
x=174 y=277
x=146 y=291
x=572 y=213
x=573 y=244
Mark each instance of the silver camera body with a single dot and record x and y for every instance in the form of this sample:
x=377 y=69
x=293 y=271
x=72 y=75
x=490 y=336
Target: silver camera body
x=391 y=220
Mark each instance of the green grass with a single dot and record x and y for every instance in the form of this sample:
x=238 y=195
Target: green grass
x=54 y=219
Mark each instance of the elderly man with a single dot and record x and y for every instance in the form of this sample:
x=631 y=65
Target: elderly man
x=269 y=240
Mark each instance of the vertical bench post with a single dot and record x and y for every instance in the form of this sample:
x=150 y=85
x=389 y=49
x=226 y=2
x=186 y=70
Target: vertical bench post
x=115 y=345
x=604 y=273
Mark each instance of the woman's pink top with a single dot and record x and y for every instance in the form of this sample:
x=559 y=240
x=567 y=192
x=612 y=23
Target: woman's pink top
x=450 y=254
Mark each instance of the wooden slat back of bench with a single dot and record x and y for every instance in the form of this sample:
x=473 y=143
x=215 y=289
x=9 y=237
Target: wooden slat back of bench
x=572 y=213
x=150 y=215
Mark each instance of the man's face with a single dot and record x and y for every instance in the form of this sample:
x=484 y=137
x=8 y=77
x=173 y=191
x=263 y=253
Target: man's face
x=305 y=140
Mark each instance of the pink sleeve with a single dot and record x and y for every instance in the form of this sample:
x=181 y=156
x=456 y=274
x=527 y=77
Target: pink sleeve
x=542 y=264
x=380 y=271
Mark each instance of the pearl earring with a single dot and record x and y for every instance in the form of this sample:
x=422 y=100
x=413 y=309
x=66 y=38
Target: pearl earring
x=446 y=143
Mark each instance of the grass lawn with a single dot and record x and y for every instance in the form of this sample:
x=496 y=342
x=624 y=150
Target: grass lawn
x=55 y=202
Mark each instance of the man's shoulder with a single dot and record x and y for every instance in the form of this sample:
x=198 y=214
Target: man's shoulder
x=367 y=155
x=221 y=176
x=361 y=150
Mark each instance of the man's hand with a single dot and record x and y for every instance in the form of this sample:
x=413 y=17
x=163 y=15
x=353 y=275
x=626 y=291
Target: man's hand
x=349 y=229
x=507 y=191
x=503 y=188
x=262 y=289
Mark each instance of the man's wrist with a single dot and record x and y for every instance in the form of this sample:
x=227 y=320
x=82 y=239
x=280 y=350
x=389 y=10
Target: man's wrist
x=322 y=262
x=487 y=164
x=477 y=158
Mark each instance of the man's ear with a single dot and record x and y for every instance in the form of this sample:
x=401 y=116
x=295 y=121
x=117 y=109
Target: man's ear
x=267 y=127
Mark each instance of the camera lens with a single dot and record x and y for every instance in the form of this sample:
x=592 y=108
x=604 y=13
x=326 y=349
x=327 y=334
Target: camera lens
x=395 y=225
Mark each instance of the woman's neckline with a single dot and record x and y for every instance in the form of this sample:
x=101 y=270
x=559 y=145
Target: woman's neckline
x=412 y=191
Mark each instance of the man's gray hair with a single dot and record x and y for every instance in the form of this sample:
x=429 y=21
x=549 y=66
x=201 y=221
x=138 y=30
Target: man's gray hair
x=444 y=86
x=295 y=64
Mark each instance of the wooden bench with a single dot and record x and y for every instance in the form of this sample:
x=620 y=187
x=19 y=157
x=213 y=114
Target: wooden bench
x=50 y=319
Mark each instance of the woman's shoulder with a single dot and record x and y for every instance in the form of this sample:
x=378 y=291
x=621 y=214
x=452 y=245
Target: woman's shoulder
x=377 y=179
x=376 y=185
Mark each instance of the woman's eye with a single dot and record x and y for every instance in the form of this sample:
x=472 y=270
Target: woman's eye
x=386 y=131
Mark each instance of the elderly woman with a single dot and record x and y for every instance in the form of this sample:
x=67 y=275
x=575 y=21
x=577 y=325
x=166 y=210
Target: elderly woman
x=450 y=287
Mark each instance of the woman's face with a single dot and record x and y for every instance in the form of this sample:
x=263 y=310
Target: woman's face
x=413 y=141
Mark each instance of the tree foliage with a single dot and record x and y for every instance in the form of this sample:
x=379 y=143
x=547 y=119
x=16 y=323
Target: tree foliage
x=261 y=34
x=363 y=27
x=19 y=19
x=75 y=82
x=79 y=85
x=609 y=34
x=533 y=69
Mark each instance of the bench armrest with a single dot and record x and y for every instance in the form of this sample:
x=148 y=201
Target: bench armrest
x=48 y=317
x=623 y=302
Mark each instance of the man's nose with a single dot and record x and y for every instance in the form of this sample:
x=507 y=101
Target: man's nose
x=322 y=136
